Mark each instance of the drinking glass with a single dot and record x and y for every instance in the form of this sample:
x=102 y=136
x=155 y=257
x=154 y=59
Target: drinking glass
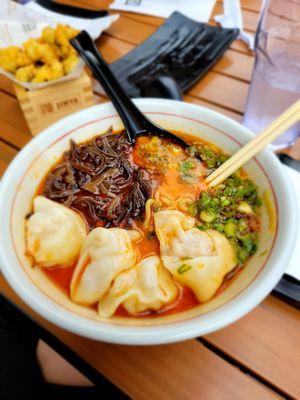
x=275 y=83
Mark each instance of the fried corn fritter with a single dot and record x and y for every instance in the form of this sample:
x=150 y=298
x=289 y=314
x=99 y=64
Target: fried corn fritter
x=44 y=59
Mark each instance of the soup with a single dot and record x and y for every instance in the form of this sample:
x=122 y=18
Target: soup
x=135 y=231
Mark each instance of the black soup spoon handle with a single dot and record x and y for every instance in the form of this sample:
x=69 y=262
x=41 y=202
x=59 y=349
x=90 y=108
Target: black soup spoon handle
x=134 y=121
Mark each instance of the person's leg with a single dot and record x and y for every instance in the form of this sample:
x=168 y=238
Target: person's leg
x=22 y=353
x=20 y=375
x=56 y=369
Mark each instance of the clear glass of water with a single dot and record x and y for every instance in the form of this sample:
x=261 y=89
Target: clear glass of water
x=275 y=83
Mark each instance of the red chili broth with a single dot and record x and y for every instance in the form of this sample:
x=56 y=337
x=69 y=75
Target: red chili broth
x=61 y=275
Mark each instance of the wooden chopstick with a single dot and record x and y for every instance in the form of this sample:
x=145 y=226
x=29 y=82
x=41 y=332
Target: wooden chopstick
x=275 y=129
x=265 y=134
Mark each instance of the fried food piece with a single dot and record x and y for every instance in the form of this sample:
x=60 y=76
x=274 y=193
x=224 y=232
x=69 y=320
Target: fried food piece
x=12 y=58
x=22 y=59
x=63 y=34
x=26 y=74
x=66 y=31
x=31 y=49
x=48 y=35
x=38 y=51
x=48 y=73
x=44 y=59
x=56 y=70
x=41 y=75
x=70 y=63
x=8 y=58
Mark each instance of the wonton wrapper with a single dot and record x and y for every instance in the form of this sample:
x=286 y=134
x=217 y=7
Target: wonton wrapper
x=54 y=233
x=146 y=286
x=198 y=259
x=105 y=253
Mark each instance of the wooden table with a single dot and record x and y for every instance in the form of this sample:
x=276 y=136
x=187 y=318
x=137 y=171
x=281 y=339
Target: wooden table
x=257 y=357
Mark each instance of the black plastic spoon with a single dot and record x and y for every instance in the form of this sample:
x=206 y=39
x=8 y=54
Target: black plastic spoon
x=135 y=122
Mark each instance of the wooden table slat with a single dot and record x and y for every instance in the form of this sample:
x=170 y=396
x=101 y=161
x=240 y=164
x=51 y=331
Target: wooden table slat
x=14 y=130
x=265 y=342
x=252 y=5
x=184 y=370
x=3 y=165
x=222 y=91
x=250 y=17
x=196 y=100
x=13 y=127
x=7 y=153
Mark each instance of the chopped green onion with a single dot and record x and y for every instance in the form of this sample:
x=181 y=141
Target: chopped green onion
x=242 y=225
x=263 y=253
x=192 y=209
x=202 y=227
x=183 y=268
x=208 y=216
x=185 y=167
x=192 y=151
x=151 y=235
x=218 y=227
x=224 y=201
x=249 y=245
x=208 y=156
x=230 y=228
x=242 y=255
x=230 y=207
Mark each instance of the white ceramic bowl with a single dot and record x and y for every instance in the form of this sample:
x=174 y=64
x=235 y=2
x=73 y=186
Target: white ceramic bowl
x=257 y=279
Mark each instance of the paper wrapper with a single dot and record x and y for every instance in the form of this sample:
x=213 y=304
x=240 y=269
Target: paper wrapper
x=19 y=23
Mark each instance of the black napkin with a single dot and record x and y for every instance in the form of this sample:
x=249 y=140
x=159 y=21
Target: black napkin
x=181 y=49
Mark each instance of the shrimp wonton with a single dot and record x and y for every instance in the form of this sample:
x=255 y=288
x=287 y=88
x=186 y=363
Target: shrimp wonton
x=195 y=258
x=105 y=253
x=54 y=233
x=146 y=286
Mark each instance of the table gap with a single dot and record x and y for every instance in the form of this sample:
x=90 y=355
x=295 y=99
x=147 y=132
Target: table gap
x=8 y=143
x=246 y=370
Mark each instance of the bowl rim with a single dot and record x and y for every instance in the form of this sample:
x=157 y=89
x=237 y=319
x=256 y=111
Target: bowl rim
x=186 y=329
